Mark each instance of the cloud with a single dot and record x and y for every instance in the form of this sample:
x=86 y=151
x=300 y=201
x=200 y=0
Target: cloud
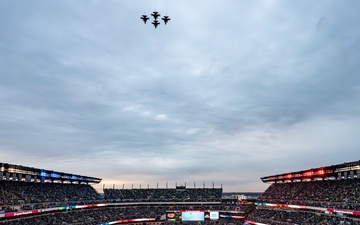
x=224 y=93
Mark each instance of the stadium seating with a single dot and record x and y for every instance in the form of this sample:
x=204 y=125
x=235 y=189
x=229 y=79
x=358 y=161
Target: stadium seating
x=20 y=196
x=189 y=194
x=341 y=194
x=30 y=195
x=338 y=194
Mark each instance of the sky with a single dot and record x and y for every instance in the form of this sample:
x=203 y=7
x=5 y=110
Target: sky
x=227 y=92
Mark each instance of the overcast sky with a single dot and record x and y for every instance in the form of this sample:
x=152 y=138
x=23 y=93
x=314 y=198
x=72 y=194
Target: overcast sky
x=227 y=92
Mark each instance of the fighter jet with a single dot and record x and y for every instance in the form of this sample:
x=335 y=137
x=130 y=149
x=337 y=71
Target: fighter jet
x=155 y=15
x=156 y=23
x=144 y=18
x=166 y=19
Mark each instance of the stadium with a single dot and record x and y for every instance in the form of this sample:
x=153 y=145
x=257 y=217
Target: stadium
x=164 y=112
x=325 y=195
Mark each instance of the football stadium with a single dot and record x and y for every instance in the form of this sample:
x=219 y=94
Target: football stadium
x=161 y=112
x=325 y=195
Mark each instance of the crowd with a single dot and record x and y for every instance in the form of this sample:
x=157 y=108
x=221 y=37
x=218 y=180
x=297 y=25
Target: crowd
x=188 y=194
x=290 y=217
x=340 y=194
x=27 y=195
x=30 y=195
x=217 y=222
x=102 y=215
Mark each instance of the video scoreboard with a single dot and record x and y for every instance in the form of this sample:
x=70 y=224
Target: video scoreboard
x=192 y=215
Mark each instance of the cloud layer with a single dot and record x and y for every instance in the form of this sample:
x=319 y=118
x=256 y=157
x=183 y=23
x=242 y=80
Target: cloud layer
x=224 y=93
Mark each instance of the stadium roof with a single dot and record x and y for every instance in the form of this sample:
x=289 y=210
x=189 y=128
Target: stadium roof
x=343 y=171
x=24 y=173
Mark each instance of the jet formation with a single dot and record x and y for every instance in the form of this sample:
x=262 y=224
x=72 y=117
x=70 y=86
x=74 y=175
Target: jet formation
x=155 y=22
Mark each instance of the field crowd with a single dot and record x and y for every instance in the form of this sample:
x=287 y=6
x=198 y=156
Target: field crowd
x=339 y=194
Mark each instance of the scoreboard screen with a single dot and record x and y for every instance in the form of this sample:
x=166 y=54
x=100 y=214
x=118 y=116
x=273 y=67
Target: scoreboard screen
x=214 y=215
x=191 y=215
x=173 y=216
